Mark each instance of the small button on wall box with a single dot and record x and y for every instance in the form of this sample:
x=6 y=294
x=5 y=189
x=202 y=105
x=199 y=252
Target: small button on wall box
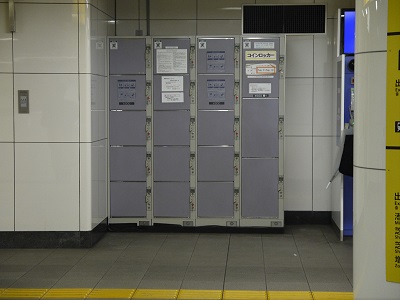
x=23 y=101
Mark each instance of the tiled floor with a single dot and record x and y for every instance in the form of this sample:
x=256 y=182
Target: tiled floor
x=303 y=258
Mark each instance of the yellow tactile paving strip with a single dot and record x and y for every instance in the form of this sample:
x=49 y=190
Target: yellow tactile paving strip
x=170 y=294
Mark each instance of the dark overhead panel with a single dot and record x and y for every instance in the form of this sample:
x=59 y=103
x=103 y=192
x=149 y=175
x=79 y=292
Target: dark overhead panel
x=289 y=19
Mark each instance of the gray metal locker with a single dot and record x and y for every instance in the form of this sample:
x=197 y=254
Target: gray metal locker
x=215 y=163
x=171 y=128
x=171 y=199
x=127 y=56
x=215 y=92
x=127 y=163
x=127 y=199
x=260 y=177
x=215 y=55
x=215 y=199
x=171 y=163
x=171 y=92
x=127 y=128
x=260 y=68
x=127 y=92
x=260 y=128
x=215 y=127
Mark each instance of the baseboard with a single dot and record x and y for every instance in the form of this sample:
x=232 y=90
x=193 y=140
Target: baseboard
x=308 y=217
x=53 y=239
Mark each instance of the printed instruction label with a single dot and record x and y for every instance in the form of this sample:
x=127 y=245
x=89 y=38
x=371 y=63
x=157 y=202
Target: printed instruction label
x=172 y=83
x=172 y=97
x=215 y=61
x=171 y=61
x=260 y=88
x=264 y=45
x=126 y=92
x=260 y=69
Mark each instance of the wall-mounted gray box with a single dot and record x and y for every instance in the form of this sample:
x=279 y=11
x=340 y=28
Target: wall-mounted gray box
x=260 y=128
x=215 y=127
x=215 y=199
x=171 y=199
x=127 y=56
x=215 y=92
x=215 y=55
x=127 y=199
x=127 y=128
x=215 y=163
x=260 y=178
x=127 y=163
x=23 y=101
x=171 y=128
x=171 y=163
x=127 y=92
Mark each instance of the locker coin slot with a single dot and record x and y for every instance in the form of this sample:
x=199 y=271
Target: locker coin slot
x=192 y=199
x=148 y=128
x=148 y=198
x=148 y=92
x=236 y=200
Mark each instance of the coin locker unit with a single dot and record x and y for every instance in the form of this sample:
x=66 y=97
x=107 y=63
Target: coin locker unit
x=262 y=109
x=129 y=132
x=196 y=130
x=173 y=128
x=217 y=75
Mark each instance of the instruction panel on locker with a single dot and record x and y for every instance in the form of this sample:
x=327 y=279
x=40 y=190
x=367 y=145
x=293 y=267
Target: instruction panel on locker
x=260 y=144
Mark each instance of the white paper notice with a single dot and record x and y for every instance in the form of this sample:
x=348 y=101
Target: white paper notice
x=171 y=61
x=172 y=83
x=260 y=88
x=172 y=97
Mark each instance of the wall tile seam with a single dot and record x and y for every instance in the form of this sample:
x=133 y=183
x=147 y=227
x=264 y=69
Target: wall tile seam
x=369 y=168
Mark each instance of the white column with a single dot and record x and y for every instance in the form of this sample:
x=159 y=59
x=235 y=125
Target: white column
x=369 y=154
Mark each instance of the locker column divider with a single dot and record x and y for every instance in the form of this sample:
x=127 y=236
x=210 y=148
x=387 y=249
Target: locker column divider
x=149 y=130
x=193 y=131
x=237 y=131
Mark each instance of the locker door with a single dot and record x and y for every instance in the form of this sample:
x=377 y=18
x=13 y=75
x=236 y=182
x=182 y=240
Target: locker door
x=127 y=163
x=215 y=163
x=260 y=187
x=127 y=92
x=215 y=128
x=215 y=55
x=127 y=56
x=127 y=128
x=171 y=128
x=171 y=199
x=215 y=199
x=171 y=163
x=260 y=128
x=127 y=199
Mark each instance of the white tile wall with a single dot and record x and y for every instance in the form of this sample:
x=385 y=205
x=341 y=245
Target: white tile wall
x=6 y=108
x=172 y=27
x=5 y=40
x=46 y=187
x=99 y=181
x=299 y=56
x=370 y=110
x=323 y=51
x=47 y=38
x=131 y=9
x=298 y=106
x=298 y=173
x=222 y=9
x=333 y=6
x=173 y=9
x=7 y=187
x=323 y=121
x=219 y=27
x=86 y=15
x=129 y=27
x=322 y=173
x=54 y=108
